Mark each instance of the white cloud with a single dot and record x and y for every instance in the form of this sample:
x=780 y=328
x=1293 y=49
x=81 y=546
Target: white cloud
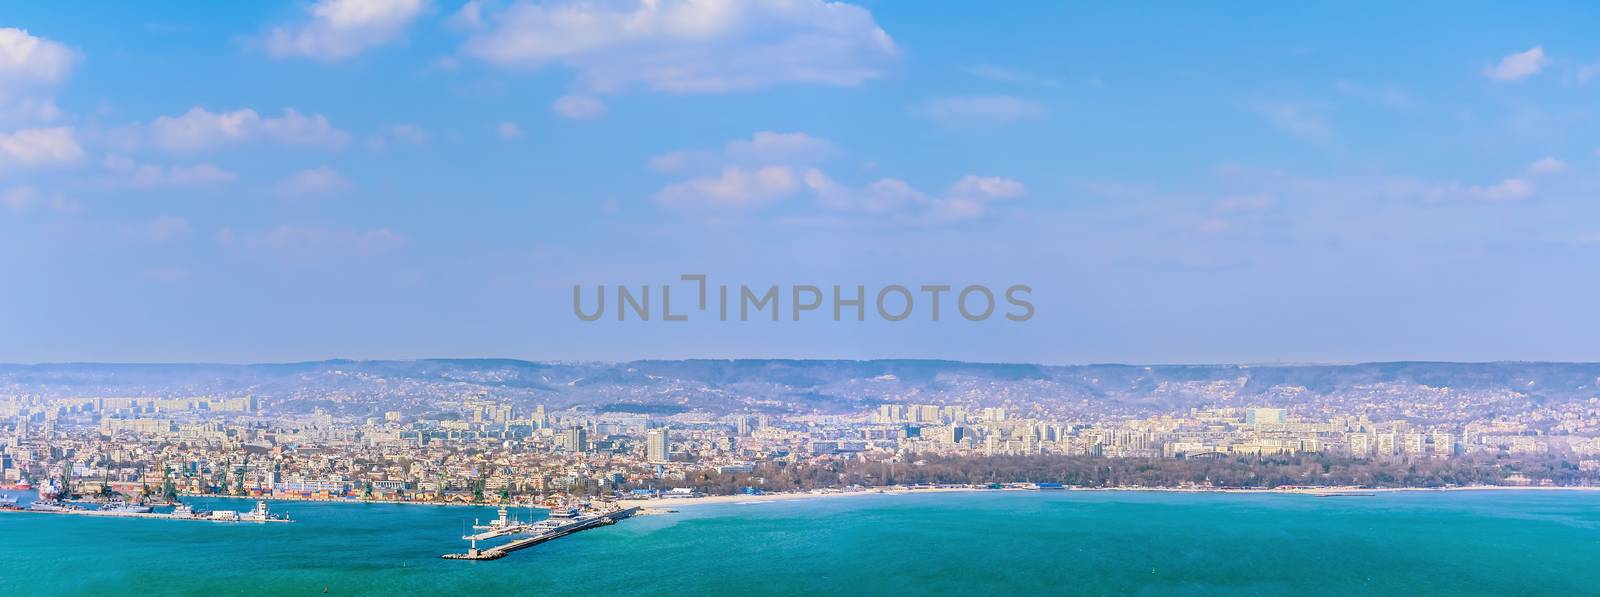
x=968 y=198
x=1510 y=189
x=578 y=107
x=201 y=129
x=734 y=187
x=1517 y=66
x=1507 y=190
x=29 y=60
x=1547 y=166
x=769 y=146
x=129 y=173
x=339 y=29
x=468 y=18
x=315 y=242
x=986 y=187
x=508 y=130
x=39 y=148
x=979 y=108
x=879 y=197
x=30 y=69
x=763 y=148
x=770 y=166
x=691 y=46
x=312 y=181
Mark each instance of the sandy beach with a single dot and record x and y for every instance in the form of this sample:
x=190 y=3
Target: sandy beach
x=668 y=503
x=777 y=497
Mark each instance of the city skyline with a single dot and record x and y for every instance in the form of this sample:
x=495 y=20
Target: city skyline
x=728 y=297
x=292 y=182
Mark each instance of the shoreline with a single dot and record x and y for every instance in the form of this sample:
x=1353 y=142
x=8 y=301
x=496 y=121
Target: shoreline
x=347 y=500
x=660 y=503
x=657 y=503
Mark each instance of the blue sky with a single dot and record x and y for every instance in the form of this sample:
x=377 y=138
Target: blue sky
x=250 y=182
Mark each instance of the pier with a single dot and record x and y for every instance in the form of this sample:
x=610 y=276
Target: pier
x=542 y=531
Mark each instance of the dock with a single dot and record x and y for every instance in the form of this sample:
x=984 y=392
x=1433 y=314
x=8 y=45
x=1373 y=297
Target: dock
x=541 y=532
x=260 y=514
x=156 y=515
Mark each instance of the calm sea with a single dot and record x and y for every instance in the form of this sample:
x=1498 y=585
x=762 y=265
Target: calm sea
x=956 y=543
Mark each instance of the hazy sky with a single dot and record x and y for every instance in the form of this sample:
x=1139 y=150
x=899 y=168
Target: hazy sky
x=1178 y=183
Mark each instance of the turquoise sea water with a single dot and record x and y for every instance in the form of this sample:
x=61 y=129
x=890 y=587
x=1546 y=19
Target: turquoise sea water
x=1423 y=543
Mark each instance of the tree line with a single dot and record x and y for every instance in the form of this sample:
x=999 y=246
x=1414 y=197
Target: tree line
x=1250 y=472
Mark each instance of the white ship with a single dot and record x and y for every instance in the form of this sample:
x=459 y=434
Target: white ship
x=260 y=514
x=52 y=506
x=126 y=508
x=50 y=491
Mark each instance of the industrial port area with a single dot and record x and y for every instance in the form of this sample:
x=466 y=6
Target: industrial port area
x=52 y=498
x=561 y=520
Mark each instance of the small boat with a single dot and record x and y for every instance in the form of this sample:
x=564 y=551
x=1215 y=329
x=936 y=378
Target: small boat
x=8 y=500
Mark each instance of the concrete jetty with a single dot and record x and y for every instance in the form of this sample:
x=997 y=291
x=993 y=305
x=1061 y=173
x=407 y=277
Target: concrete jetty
x=542 y=531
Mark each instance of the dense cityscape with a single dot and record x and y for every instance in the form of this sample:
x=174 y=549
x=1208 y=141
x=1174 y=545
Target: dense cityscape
x=475 y=447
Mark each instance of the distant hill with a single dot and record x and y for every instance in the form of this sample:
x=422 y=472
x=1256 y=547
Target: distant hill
x=1424 y=389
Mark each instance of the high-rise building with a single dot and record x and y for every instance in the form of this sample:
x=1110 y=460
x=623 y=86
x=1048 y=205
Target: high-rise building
x=1413 y=444
x=1264 y=416
x=1444 y=444
x=1360 y=445
x=957 y=433
x=742 y=425
x=575 y=439
x=1388 y=443
x=657 y=447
